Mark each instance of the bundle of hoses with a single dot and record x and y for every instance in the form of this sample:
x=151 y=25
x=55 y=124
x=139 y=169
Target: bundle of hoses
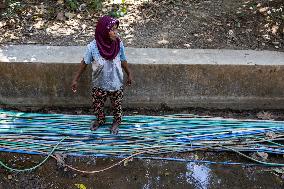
x=36 y=133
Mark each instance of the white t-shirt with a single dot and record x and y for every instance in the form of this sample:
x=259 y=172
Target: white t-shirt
x=107 y=74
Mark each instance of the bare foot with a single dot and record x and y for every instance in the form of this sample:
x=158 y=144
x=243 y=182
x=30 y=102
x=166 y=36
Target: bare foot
x=95 y=126
x=114 y=129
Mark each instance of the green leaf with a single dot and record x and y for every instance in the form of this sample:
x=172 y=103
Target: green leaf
x=81 y=186
x=96 y=4
x=72 y=4
x=124 y=10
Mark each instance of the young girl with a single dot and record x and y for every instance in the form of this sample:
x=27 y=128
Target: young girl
x=106 y=54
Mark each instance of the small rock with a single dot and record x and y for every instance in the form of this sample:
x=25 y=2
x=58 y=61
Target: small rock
x=231 y=33
x=279 y=170
x=60 y=16
x=204 y=23
x=60 y=2
x=117 y=1
x=43 y=9
x=69 y=15
x=84 y=26
x=29 y=15
x=262 y=155
x=125 y=163
x=263 y=10
x=270 y=135
x=47 y=30
x=187 y=45
x=275 y=43
x=267 y=37
x=2 y=24
x=82 y=7
x=274 y=29
x=29 y=28
x=79 y=112
x=31 y=42
x=39 y=24
x=163 y=42
x=264 y=115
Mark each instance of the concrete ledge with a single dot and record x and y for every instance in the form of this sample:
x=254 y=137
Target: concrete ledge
x=40 y=76
x=73 y=54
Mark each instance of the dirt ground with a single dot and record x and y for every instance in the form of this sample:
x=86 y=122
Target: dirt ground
x=277 y=115
x=140 y=173
x=229 y=24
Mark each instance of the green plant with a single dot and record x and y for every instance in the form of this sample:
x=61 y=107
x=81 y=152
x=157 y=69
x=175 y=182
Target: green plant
x=72 y=4
x=96 y=4
x=13 y=7
x=119 y=10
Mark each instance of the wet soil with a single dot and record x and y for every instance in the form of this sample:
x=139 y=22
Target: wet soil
x=273 y=114
x=139 y=173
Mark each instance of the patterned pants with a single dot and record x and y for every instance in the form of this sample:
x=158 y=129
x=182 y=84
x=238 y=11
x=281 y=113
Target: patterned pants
x=99 y=98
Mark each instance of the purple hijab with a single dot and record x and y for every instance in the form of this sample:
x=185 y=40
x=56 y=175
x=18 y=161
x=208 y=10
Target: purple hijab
x=108 y=48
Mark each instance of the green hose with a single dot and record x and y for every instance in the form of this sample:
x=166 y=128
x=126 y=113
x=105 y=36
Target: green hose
x=258 y=161
x=36 y=166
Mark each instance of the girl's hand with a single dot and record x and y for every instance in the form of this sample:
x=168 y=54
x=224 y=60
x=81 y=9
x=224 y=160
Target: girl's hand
x=82 y=68
x=129 y=80
x=74 y=86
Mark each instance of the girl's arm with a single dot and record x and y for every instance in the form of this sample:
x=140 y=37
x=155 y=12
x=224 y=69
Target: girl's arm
x=81 y=69
x=124 y=65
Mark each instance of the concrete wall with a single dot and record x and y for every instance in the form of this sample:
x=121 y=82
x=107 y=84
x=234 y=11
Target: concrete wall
x=157 y=82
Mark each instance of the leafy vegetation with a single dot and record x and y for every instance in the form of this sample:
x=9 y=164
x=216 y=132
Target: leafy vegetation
x=96 y=4
x=72 y=4
x=13 y=7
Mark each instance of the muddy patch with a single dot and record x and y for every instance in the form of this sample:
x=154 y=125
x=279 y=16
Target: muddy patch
x=139 y=173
